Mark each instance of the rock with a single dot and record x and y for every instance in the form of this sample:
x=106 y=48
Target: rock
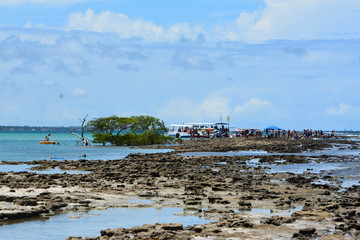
x=197 y=228
x=277 y=220
x=44 y=193
x=26 y=202
x=299 y=180
x=327 y=193
x=57 y=206
x=109 y=232
x=172 y=226
x=214 y=199
x=192 y=202
x=154 y=174
x=240 y=223
x=7 y=198
x=147 y=194
x=244 y=205
x=22 y=215
x=305 y=233
x=311 y=214
x=140 y=229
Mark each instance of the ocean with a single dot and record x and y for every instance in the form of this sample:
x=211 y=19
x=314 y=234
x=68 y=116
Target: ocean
x=25 y=147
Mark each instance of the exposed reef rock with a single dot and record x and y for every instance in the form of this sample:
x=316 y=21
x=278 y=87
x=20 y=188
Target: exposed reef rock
x=242 y=199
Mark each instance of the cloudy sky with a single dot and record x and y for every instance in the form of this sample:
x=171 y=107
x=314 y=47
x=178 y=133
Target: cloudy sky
x=290 y=63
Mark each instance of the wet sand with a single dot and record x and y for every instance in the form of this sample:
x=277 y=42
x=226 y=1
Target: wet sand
x=243 y=201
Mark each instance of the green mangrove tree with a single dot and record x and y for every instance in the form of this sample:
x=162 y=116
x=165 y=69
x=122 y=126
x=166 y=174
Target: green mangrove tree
x=135 y=130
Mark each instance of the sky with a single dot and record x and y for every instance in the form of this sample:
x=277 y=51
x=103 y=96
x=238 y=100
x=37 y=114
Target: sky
x=294 y=64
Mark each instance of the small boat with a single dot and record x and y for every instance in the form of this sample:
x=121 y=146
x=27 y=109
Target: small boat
x=47 y=142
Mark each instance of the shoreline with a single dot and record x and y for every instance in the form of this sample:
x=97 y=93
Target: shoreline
x=225 y=196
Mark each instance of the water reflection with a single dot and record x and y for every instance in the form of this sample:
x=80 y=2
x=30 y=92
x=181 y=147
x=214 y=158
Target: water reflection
x=268 y=211
x=27 y=168
x=91 y=223
x=299 y=168
x=336 y=151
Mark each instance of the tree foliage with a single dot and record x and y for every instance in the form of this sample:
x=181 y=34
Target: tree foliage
x=135 y=130
x=145 y=123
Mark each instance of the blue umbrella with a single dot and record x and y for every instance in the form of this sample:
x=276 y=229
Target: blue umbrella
x=273 y=127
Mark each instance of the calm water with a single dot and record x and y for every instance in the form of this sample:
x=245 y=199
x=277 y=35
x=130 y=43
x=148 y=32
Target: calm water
x=26 y=147
x=27 y=168
x=91 y=223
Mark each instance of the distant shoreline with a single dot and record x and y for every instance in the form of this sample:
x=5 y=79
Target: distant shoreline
x=31 y=129
x=57 y=129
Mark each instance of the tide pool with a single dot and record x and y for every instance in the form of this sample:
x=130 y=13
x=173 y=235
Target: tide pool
x=84 y=224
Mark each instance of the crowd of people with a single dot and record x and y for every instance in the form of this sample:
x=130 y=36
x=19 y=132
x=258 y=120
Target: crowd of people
x=281 y=133
x=220 y=132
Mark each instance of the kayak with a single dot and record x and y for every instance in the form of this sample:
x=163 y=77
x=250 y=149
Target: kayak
x=47 y=142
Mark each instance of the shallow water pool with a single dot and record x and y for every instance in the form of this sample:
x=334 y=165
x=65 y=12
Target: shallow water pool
x=26 y=168
x=85 y=224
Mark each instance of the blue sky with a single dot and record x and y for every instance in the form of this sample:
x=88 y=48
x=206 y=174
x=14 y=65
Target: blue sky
x=290 y=63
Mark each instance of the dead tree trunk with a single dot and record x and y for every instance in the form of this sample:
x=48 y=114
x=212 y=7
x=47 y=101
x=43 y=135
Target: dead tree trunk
x=85 y=141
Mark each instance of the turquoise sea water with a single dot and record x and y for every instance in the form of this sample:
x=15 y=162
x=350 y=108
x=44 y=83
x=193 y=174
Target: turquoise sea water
x=26 y=147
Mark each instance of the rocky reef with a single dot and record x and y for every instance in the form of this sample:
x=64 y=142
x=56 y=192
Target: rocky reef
x=242 y=198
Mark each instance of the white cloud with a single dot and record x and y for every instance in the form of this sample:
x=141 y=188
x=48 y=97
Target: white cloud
x=188 y=59
x=252 y=105
x=70 y=46
x=341 y=109
x=208 y=109
x=280 y=19
x=78 y=92
x=299 y=19
x=255 y=112
x=71 y=67
x=48 y=83
x=99 y=60
x=127 y=28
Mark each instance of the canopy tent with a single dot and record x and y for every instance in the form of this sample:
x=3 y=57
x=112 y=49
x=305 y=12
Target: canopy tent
x=272 y=128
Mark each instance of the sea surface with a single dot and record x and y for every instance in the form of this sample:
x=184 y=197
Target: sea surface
x=25 y=147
